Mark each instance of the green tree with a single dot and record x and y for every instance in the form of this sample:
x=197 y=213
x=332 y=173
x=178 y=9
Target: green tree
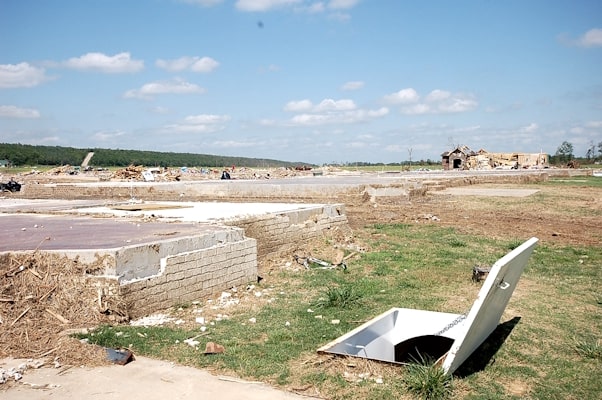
x=564 y=153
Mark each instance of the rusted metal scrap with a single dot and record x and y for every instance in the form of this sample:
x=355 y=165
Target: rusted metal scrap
x=119 y=356
x=479 y=273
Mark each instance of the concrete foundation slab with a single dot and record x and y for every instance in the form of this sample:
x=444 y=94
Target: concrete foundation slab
x=153 y=255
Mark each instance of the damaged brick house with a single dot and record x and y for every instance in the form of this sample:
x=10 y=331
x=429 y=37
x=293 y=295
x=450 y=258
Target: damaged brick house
x=456 y=158
x=462 y=157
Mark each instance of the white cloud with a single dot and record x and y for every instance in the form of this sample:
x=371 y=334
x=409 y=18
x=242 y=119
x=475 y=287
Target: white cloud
x=343 y=117
x=352 y=85
x=457 y=104
x=330 y=111
x=298 y=106
x=416 y=109
x=325 y=105
x=21 y=75
x=335 y=8
x=532 y=127
x=17 y=112
x=408 y=95
x=591 y=38
x=335 y=105
x=233 y=144
x=104 y=136
x=202 y=123
x=119 y=63
x=594 y=124
x=176 y=86
x=205 y=119
x=195 y=64
x=264 y=5
x=342 y=4
x=437 y=95
x=316 y=8
x=436 y=102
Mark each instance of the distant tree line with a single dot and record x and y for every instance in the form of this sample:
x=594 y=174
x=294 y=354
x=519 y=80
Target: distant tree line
x=564 y=154
x=30 y=155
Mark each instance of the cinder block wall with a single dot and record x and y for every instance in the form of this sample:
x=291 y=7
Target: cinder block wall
x=192 y=275
x=283 y=232
x=206 y=272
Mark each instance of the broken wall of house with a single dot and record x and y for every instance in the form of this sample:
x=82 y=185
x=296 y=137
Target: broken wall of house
x=285 y=231
x=192 y=276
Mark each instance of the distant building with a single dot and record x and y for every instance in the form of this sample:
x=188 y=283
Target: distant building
x=463 y=158
x=4 y=163
x=456 y=158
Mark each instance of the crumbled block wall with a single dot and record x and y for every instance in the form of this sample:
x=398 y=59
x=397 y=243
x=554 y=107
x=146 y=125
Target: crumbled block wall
x=192 y=275
x=202 y=273
x=282 y=232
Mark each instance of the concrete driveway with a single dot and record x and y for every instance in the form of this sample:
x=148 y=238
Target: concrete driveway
x=142 y=379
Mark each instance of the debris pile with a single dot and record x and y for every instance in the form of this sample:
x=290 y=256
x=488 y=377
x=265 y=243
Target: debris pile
x=43 y=297
x=141 y=173
x=10 y=186
x=63 y=169
x=130 y=172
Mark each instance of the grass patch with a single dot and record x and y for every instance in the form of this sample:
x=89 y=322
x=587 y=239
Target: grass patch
x=589 y=349
x=427 y=381
x=581 y=181
x=416 y=266
x=339 y=297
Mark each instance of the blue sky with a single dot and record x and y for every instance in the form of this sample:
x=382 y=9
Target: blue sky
x=302 y=80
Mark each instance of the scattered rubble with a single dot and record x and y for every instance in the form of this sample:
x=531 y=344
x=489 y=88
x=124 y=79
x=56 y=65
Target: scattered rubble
x=143 y=173
x=15 y=373
x=214 y=348
x=310 y=262
x=152 y=320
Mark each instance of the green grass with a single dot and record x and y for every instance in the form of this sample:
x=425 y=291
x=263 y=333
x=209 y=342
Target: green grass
x=580 y=181
x=427 y=381
x=416 y=266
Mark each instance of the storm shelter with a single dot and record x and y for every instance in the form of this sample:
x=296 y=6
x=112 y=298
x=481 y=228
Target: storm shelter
x=401 y=335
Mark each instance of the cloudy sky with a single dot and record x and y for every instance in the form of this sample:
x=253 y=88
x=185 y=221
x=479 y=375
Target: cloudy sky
x=302 y=80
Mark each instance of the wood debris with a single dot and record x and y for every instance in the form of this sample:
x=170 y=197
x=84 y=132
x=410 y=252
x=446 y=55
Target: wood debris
x=36 y=307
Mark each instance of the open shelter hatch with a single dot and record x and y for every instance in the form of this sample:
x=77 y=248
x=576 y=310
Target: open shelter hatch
x=401 y=335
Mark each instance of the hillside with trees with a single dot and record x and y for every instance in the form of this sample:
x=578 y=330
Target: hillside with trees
x=29 y=155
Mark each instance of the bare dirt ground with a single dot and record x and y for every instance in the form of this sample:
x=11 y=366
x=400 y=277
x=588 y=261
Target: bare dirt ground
x=555 y=214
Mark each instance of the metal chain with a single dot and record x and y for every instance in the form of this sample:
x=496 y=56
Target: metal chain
x=455 y=322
